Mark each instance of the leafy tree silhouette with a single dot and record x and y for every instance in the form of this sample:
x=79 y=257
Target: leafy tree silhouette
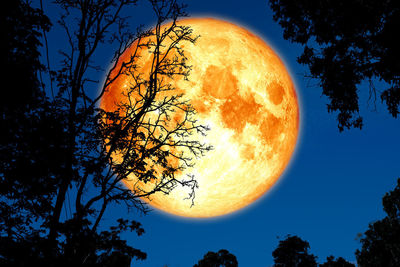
x=221 y=258
x=339 y=262
x=29 y=166
x=59 y=151
x=381 y=242
x=293 y=252
x=345 y=43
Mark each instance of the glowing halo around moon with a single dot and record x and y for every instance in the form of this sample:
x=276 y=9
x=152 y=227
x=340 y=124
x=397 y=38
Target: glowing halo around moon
x=242 y=90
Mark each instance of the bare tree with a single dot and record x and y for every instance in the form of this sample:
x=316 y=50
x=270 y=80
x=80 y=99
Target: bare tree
x=140 y=140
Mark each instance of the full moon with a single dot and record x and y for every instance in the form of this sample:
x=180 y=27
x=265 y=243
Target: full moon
x=242 y=90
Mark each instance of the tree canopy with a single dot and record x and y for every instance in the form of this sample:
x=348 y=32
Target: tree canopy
x=381 y=242
x=339 y=262
x=293 y=252
x=346 y=43
x=222 y=258
x=28 y=165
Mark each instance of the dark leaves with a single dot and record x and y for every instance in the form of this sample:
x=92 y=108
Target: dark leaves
x=380 y=243
x=339 y=262
x=221 y=258
x=346 y=42
x=391 y=97
x=293 y=251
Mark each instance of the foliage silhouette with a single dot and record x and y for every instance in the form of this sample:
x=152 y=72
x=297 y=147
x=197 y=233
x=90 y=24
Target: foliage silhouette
x=58 y=151
x=221 y=258
x=345 y=43
x=381 y=242
x=293 y=252
x=339 y=262
x=28 y=166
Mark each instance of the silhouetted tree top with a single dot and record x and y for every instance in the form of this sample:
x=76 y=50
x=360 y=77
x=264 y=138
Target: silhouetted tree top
x=345 y=43
x=220 y=259
x=381 y=242
x=293 y=252
x=339 y=262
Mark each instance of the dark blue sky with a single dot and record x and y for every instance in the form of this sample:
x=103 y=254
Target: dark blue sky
x=330 y=192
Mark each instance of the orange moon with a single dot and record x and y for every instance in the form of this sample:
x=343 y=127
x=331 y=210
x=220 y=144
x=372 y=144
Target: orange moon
x=242 y=90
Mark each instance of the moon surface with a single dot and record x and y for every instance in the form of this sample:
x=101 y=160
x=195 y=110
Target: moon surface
x=242 y=90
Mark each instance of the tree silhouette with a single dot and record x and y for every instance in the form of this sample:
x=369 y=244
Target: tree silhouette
x=67 y=154
x=28 y=164
x=339 y=262
x=293 y=252
x=345 y=43
x=221 y=258
x=381 y=242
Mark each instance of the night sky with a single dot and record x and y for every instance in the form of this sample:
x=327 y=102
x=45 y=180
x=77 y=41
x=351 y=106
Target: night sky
x=329 y=193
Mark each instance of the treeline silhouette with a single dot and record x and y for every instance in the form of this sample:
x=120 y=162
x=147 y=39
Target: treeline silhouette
x=55 y=146
x=380 y=245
